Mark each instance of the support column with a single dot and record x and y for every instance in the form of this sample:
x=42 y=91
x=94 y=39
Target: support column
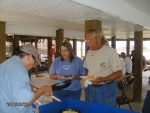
x=74 y=47
x=93 y=24
x=2 y=42
x=36 y=67
x=59 y=40
x=113 y=42
x=49 y=55
x=16 y=41
x=138 y=51
x=128 y=47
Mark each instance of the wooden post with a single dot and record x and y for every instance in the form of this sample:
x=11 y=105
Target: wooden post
x=36 y=67
x=2 y=42
x=128 y=47
x=138 y=51
x=59 y=40
x=113 y=42
x=48 y=52
x=74 y=46
x=93 y=24
x=16 y=42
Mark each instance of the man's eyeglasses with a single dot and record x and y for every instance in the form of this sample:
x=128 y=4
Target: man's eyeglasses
x=89 y=40
x=33 y=58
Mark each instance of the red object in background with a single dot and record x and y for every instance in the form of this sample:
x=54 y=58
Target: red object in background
x=52 y=50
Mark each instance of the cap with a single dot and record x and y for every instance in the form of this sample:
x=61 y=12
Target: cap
x=30 y=49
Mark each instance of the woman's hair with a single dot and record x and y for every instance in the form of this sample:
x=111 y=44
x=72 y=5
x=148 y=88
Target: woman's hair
x=98 y=33
x=20 y=53
x=68 y=45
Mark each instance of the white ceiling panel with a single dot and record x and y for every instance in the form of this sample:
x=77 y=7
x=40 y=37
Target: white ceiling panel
x=64 y=14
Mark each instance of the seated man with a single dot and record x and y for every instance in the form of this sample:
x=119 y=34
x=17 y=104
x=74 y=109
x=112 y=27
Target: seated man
x=128 y=64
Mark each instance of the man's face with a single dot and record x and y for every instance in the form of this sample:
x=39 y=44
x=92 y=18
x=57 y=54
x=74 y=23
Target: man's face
x=92 y=41
x=31 y=62
x=123 y=55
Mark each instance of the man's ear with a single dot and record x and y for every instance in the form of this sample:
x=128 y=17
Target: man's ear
x=99 y=39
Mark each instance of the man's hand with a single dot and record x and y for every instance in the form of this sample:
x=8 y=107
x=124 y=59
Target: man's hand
x=47 y=90
x=97 y=80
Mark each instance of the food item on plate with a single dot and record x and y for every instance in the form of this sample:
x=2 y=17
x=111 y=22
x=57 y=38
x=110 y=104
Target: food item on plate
x=60 y=84
x=90 y=77
x=67 y=110
x=68 y=76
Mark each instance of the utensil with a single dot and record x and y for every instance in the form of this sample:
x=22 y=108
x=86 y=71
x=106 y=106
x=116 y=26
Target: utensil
x=55 y=98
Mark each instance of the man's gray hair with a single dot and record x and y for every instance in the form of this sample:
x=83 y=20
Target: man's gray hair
x=98 y=33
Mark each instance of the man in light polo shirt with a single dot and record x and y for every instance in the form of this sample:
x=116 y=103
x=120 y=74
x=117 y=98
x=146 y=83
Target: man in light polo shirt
x=16 y=95
x=102 y=62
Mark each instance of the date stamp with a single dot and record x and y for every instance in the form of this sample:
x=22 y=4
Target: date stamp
x=16 y=103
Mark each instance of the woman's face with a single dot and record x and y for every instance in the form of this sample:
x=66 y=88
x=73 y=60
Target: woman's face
x=64 y=52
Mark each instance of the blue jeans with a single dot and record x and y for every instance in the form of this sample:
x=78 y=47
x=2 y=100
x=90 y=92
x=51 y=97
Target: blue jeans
x=146 y=105
x=61 y=94
x=104 y=94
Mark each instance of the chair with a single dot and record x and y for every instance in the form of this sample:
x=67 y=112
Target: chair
x=122 y=100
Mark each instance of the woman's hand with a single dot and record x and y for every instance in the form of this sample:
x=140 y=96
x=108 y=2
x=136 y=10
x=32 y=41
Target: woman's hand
x=59 y=77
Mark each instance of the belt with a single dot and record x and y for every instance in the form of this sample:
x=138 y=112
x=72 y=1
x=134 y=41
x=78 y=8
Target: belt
x=103 y=84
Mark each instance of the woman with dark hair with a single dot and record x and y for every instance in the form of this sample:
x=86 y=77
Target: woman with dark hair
x=67 y=65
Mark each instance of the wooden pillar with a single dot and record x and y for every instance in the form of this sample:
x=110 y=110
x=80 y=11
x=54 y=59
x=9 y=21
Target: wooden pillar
x=49 y=55
x=36 y=67
x=138 y=47
x=128 y=47
x=2 y=42
x=113 y=42
x=10 y=39
x=16 y=41
x=74 y=47
x=59 y=40
x=93 y=24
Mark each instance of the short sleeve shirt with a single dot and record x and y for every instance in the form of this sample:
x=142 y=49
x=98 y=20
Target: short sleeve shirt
x=14 y=86
x=102 y=62
x=128 y=64
x=66 y=67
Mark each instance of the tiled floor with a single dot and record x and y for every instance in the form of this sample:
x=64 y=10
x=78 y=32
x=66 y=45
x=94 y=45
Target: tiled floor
x=43 y=79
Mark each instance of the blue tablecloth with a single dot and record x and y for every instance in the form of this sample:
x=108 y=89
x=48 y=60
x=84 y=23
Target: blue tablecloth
x=84 y=107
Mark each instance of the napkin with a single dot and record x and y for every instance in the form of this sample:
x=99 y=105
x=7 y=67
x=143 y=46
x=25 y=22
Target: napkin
x=87 y=82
